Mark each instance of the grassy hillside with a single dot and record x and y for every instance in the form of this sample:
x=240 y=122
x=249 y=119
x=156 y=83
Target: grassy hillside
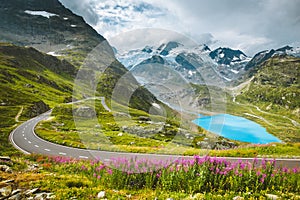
x=28 y=75
x=30 y=82
x=274 y=95
x=277 y=82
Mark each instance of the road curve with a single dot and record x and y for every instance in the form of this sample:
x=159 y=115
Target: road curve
x=24 y=139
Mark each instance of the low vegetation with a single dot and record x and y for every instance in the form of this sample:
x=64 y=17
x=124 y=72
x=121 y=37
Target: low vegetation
x=194 y=178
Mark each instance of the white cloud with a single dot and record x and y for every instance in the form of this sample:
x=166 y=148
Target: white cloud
x=245 y=42
x=251 y=25
x=140 y=38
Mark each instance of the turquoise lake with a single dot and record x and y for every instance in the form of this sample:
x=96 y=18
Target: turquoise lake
x=236 y=128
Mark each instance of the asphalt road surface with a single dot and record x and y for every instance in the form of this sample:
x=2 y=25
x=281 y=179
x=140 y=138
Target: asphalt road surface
x=25 y=139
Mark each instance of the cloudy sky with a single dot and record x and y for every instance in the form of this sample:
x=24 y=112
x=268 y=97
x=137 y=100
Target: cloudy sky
x=249 y=25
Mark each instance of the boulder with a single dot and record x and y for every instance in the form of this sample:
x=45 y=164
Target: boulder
x=5 y=158
x=85 y=112
x=17 y=196
x=37 y=108
x=6 y=191
x=144 y=118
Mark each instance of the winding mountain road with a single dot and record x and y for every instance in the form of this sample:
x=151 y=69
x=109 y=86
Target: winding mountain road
x=25 y=139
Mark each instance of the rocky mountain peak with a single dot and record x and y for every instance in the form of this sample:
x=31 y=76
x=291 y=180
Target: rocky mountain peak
x=154 y=59
x=226 y=56
x=169 y=47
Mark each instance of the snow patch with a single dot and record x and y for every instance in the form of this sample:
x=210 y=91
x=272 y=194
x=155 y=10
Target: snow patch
x=243 y=57
x=73 y=25
x=40 y=13
x=236 y=59
x=227 y=79
x=156 y=105
x=234 y=71
x=222 y=55
x=52 y=53
x=191 y=73
x=65 y=18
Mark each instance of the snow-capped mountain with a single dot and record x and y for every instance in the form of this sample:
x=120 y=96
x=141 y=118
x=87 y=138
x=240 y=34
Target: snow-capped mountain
x=261 y=57
x=197 y=64
x=191 y=62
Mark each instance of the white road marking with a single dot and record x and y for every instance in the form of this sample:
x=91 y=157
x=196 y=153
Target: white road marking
x=85 y=157
x=37 y=146
x=23 y=135
x=23 y=131
x=29 y=142
x=47 y=149
x=25 y=138
x=61 y=153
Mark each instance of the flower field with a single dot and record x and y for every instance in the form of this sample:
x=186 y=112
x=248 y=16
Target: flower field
x=191 y=176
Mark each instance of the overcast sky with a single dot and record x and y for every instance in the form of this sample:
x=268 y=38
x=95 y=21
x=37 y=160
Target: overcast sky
x=248 y=25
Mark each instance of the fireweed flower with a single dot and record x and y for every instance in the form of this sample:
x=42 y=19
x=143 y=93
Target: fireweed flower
x=285 y=170
x=258 y=173
x=242 y=165
x=158 y=175
x=273 y=162
x=171 y=169
x=255 y=160
x=109 y=171
x=197 y=158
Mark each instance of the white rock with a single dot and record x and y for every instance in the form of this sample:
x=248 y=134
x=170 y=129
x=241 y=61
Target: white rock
x=272 y=196
x=5 y=191
x=16 y=191
x=16 y=197
x=237 y=198
x=40 y=196
x=101 y=195
x=120 y=134
x=5 y=158
x=5 y=168
x=29 y=192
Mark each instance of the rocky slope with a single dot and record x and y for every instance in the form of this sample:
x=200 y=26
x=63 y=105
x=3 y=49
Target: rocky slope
x=47 y=26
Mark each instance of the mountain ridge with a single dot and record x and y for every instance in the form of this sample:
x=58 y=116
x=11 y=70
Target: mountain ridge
x=55 y=30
